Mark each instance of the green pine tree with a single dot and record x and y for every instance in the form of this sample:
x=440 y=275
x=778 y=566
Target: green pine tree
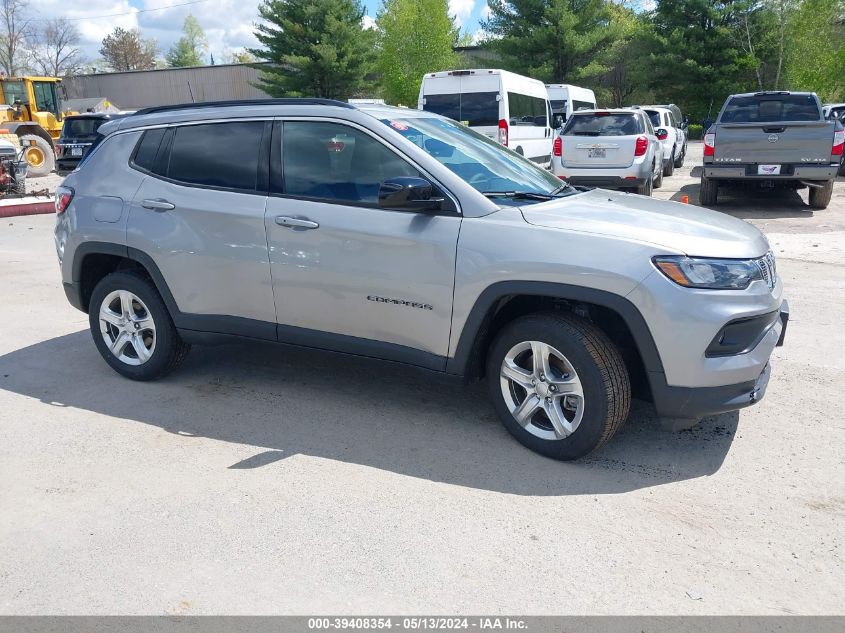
x=318 y=47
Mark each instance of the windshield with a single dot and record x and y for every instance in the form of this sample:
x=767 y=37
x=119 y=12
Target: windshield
x=482 y=162
x=771 y=108
x=602 y=124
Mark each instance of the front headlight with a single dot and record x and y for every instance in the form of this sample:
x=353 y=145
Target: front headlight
x=713 y=274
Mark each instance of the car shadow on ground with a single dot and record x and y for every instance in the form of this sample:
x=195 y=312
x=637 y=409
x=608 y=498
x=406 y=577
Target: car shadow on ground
x=782 y=203
x=286 y=401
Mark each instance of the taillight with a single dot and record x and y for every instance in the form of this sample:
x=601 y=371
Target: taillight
x=63 y=197
x=662 y=135
x=557 y=146
x=838 y=143
x=709 y=144
x=641 y=147
x=503 y=132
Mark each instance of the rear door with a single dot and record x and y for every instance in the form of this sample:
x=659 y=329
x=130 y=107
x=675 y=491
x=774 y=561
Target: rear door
x=200 y=215
x=600 y=140
x=773 y=129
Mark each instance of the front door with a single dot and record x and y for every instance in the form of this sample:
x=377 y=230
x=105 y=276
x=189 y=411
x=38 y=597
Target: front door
x=347 y=274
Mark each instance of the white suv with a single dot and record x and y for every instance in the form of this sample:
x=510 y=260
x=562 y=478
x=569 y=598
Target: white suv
x=669 y=131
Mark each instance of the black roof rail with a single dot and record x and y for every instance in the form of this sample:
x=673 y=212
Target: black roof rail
x=246 y=102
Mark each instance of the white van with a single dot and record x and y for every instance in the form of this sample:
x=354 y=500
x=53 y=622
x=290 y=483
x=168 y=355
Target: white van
x=504 y=106
x=566 y=99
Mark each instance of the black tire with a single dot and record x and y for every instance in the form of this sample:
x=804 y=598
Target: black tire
x=679 y=161
x=708 y=194
x=841 y=171
x=669 y=166
x=820 y=196
x=658 y=180
x=646 y=188
x=169 y=351
x=48 y=163
x=598 y=365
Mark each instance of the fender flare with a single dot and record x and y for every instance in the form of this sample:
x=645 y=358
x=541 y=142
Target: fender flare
x=460 y=362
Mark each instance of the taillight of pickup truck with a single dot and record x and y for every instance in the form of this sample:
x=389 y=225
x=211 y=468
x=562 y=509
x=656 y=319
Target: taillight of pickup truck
x=709 y=144
x=838 y=145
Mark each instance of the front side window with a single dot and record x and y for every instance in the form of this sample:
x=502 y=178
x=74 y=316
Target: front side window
x=602 y=124
x=331 y=161
x=221 y=155
x=526 y=110
x=480 y=161
x=13 y=91
x=476 y=109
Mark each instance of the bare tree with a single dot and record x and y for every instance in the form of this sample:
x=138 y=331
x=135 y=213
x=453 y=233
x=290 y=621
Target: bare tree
x=127 y=50
x=15 y=33
x=56 y=52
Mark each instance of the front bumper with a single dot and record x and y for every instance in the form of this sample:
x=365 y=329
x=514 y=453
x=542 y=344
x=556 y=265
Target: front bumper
x=699 y=402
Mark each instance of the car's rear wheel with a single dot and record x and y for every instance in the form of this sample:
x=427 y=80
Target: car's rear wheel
x=646 y=188
x=820 y=196
x=679 y=161
x=132 y=328
x=658 y=180
x=558 y=384
x=708 y=194
x=669 y=166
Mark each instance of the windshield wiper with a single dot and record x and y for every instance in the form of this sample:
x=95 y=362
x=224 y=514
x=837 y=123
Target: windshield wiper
x=519 y=195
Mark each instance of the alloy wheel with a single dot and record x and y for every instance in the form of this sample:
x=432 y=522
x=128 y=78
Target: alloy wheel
x=127 y=327
x=542 y=390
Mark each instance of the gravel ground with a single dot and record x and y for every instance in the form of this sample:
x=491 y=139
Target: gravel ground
x=269 y=480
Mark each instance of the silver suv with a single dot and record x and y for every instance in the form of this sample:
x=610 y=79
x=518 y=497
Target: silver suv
x=401 y=235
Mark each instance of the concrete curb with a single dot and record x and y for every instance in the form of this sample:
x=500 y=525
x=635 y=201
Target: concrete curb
x=20 y=207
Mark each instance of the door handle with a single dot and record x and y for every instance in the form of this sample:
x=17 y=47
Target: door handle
x=295 y=223
x=158 y=205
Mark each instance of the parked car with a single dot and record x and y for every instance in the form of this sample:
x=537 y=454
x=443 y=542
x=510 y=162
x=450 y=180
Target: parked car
x=566 y=99
x=79 y=132
x=615 y=149
x=772 y=139
x=499 y=104
x=674 y=137
x=433 y=246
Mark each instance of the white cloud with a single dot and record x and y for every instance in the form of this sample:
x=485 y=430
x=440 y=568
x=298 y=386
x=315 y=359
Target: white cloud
x=461 y=10
x=368 y=22
x=480 y=36
x=485 y=11
x=228 y=24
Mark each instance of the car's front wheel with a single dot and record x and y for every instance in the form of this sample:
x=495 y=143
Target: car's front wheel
x=132 y=328
x=558 y=384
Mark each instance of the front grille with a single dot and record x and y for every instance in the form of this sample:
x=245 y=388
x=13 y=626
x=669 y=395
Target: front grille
x=768 y=269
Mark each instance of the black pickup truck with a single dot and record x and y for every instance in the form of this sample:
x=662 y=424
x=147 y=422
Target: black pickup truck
x=772 y=139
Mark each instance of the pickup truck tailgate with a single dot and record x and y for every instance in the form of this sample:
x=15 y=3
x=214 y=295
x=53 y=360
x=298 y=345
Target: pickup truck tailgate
x=774 y=143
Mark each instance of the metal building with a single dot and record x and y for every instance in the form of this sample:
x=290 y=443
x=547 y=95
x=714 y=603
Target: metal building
x=144 y=88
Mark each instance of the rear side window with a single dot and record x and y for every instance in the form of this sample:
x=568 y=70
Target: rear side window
x=771 y=108
x=470 y=108
x=221 y=155
x=603 y=124
x=145 y=155
x=525 y=110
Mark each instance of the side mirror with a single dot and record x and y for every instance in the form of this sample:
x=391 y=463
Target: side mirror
x=684 y=124
x=558 y=121
x=407 y=193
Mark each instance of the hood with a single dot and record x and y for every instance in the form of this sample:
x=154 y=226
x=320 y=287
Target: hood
x=683 y=228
